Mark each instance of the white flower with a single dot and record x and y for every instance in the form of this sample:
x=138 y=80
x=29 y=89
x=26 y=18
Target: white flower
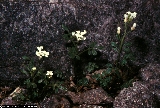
x=34 y=68
x=83 y=33
x=49 y=74
x=41 y=53
x=133 y=15
x=125 y=18
x=46 y=54
x=118 y=30
x=79 y=35
x=133 y=27
x=40 y=48
x=129 y=16
x=128 y=12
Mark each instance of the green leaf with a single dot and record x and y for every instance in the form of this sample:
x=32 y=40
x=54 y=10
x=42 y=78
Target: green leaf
x=34 y=85
x=89 y=52
x=66 y=37
x=124 y=62
x=65 y=28
x=92 y=45
x=108 y=70
x=127 y=44
x=118 y=73
x=77 y=57
x=72 y=52
x=91 y=66
x=115 y=49
x=83 y=81
x=94 y=52
x=26 y=58
x=40 y=81
x=109 y=65
x=25 y=72
x=113 y=44
x=100 y=47
x=127 y=50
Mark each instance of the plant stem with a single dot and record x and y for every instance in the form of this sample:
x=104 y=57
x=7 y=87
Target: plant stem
x=85 y=51
x=121 y=43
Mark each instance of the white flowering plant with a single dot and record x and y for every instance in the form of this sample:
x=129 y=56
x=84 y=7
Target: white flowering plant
x=39 y=83
x=116 y=69
x=121 y=46
x=74 y=40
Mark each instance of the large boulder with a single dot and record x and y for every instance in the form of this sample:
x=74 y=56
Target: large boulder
x=138 y=96
x=145 y=93
x=24 y=25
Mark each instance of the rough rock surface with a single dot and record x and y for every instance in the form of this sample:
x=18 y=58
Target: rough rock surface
x=55 y=102
x=24 y=25
x=143 y=94
x=138 y=96
x=151 y=75
x=93 y=96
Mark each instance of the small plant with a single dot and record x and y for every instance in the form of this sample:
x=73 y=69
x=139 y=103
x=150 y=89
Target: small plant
x=114 y=70
x=74 y=39
x=120 y=45
x=40 y=83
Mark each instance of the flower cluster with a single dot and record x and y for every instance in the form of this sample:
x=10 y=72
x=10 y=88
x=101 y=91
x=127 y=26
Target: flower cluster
x=49 y=74
x=79 y=35
x=129 y=16
x=41 y=53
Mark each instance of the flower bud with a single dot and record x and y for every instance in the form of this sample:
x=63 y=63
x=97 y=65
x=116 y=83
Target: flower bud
x=133 y=27
x=34 y=68
x=118 y=30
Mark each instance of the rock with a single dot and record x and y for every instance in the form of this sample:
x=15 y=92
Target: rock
x=55 y=101
x=151 y=75
x=26 y=25
x=8 y=101
x=150 y=72
x=138 y=96
x=145 y=93
x=89 y=97
x=89 y=106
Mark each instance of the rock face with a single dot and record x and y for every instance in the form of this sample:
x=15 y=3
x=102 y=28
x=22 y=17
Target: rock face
x=137 y=96
x=94 y=96
x=55 y=102
x=145 y=93
x=24 y=25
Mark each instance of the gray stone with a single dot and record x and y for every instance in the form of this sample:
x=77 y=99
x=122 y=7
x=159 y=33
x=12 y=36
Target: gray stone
x=138 y=96
x=24 y=25
x=90 y=97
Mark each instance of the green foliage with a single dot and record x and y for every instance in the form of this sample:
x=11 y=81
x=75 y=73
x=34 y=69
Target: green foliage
x=91 y=67
x=73 y=51
x=38 y=84
x=84 y=81
x=127 y=84
x=104 y=78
